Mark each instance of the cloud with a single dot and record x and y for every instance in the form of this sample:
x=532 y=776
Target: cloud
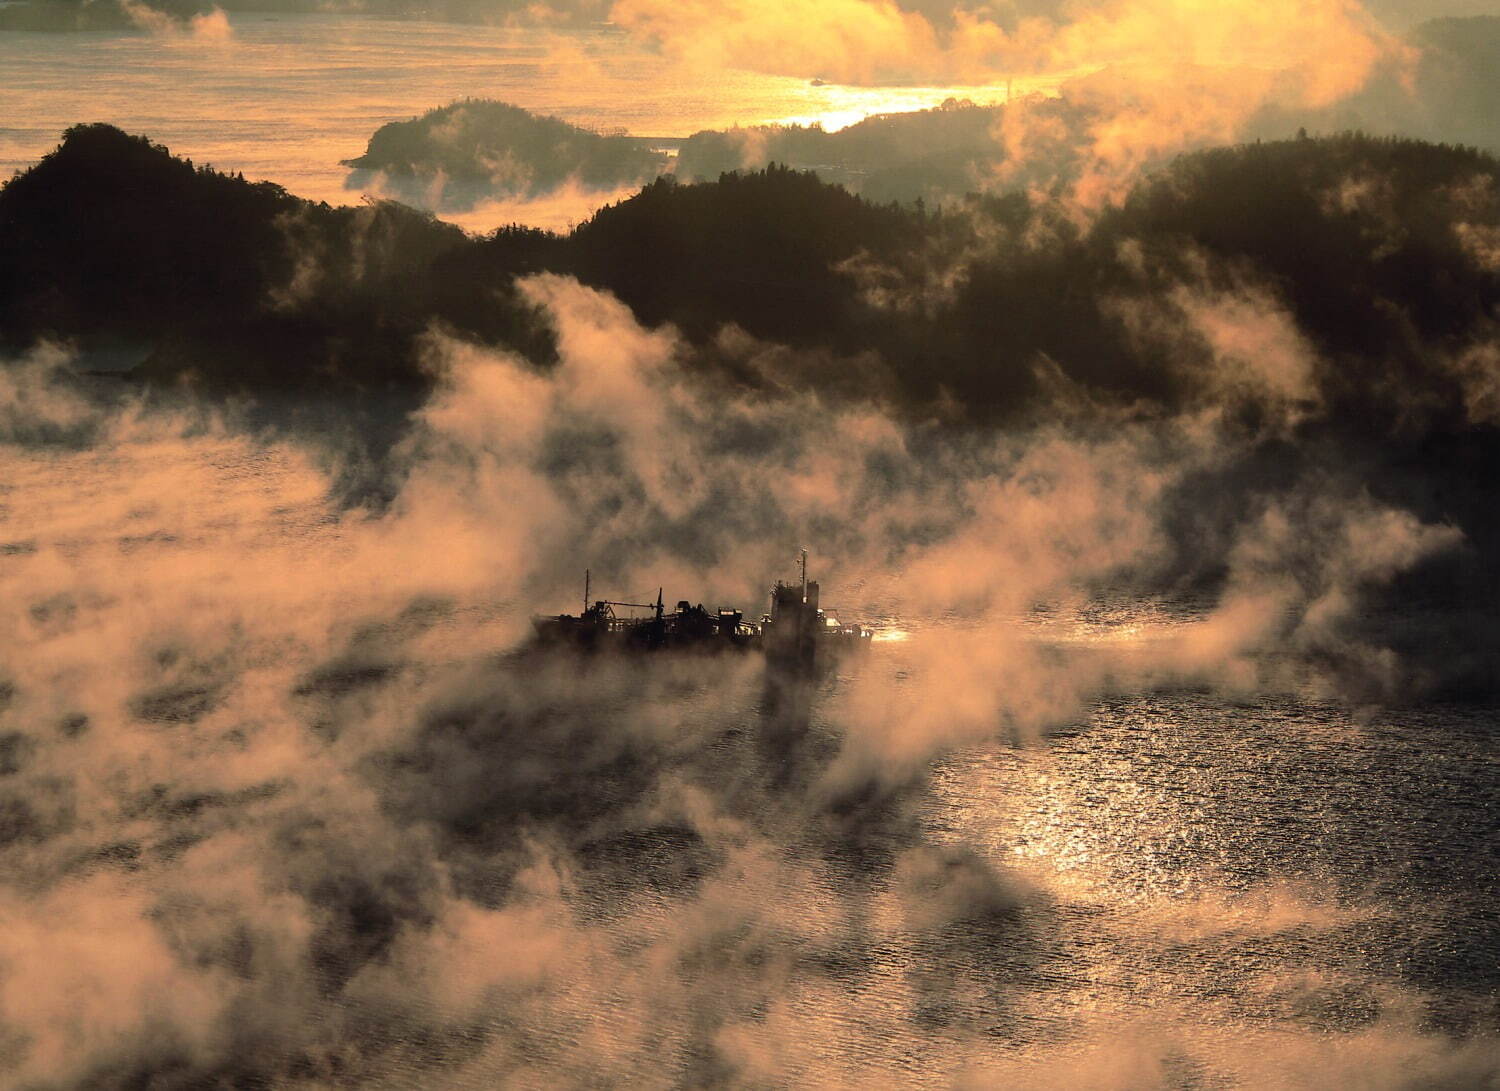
x=1163 y=78
x=90 y=979
x=287 y=798
x=1230 y=337
x=560 y=210
x=1150 y=77
x=1324 y=48
x=209 y=26
x=38 y=405
x=849 y=41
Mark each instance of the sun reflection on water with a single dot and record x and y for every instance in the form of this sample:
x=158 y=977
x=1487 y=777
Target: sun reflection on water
x=838 y=106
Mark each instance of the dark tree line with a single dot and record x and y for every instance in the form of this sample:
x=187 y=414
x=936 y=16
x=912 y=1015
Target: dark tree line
x=1369 y=244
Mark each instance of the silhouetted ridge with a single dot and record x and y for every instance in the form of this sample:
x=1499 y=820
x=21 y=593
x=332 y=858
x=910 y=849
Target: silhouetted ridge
x=918 y=154
x=238 y=283
x=477 y=148
x=760 y=250
x=1373 y=247
x=111 y=231
x=1364 y=238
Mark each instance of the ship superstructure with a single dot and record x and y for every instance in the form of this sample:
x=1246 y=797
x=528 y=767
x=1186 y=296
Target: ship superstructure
x=688 y=626
x=795 y=633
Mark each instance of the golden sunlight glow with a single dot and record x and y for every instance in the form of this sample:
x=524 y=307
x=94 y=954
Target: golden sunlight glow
x=837 y=106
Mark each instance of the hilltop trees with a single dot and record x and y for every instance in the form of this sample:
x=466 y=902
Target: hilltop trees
x=478 y=149
x=1377 y=253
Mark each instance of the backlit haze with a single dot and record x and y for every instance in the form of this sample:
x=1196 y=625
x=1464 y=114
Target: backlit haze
x=1130 y=368
x=287 y=97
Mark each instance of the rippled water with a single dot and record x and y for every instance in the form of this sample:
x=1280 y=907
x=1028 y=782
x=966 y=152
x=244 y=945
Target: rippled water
x=1235 y=875
x=1277 y=863
x=1214 y=880
x=1194 y=848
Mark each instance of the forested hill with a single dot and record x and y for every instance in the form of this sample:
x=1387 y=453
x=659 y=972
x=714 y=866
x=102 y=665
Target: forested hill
x=1383 y=256
x=243 y=285
x=237 y=283
x=477 y=149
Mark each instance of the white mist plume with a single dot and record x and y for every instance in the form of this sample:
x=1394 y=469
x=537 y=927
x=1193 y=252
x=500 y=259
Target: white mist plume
x=285 y=758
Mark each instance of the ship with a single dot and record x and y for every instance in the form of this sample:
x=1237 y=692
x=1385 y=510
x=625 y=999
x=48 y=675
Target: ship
x=689 y=626
x=795 y=633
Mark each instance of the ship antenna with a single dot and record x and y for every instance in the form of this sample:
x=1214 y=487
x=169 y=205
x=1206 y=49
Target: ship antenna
x=659 y=590
x=804 y=575
x=586 y=575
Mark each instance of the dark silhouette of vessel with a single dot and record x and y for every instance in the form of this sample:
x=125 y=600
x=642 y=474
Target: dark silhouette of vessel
x=795 y=634
x=599 y=627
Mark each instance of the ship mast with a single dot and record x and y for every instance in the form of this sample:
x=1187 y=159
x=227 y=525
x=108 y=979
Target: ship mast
x=586 y=590
x=804 y=575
